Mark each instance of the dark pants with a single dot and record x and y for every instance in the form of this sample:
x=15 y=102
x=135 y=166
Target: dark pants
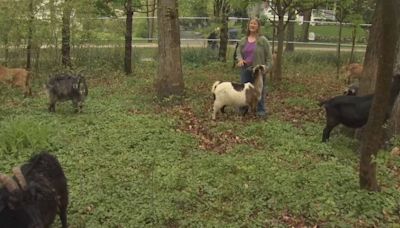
x=246 y=76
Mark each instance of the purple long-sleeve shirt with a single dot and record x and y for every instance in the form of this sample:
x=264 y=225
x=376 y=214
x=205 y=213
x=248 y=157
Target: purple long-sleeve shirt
x=248 y=52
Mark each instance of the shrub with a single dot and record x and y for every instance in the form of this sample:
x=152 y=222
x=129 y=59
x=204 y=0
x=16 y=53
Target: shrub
x=20 y=133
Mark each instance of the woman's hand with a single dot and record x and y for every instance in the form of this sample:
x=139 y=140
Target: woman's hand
x=241 y=63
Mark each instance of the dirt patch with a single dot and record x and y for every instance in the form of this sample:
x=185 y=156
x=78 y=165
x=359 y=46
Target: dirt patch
x=219 y=142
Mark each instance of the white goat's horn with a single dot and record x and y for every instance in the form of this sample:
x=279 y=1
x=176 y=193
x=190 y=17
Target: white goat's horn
x=8 y=182
x=20 y=177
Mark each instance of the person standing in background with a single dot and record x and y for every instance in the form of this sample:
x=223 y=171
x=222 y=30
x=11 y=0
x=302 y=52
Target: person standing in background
x=254 y=49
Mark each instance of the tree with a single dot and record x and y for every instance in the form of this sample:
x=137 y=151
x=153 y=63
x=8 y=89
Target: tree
x=290 y=31
x=359 y=8
x=150 y=12
x=66 y=34
x=370 y=65
x=221 y=11
x=6 y=26
x=394 y=128
x=280 y=8
x=130 y=7
x=371 y=141
x=128 y=37
x=169 y=78
x=305 y=7
x=341 y=16
x=30 y=34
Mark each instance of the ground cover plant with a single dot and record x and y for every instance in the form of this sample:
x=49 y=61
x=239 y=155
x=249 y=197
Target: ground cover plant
x=135 y=161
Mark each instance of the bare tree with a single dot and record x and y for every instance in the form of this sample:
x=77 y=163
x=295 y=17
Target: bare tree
x=395 y=117
x=341 y=16
x=30 y=35
x=280 y=8
x=372 y=139
x=128 y=37
x=150 y=12
x=306 y=23
x=221 y=10
x=169 y=79
x=306 y=7
x=290 y=31
x=66 y=34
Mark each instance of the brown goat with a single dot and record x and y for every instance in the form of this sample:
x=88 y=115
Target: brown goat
x=17 y=77
x=353 y=71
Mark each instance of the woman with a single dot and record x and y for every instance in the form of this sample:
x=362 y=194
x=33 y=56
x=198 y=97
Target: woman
x=254 y=49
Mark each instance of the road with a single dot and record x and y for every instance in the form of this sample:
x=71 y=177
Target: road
x=310 y=47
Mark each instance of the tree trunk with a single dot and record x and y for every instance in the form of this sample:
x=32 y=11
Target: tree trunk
x=223 y=42
x=274 y=34
x=150 y=20
x=30 y=35
x=128 y=37
x=306 y=24
x=54 y=26
x=373 y=131
x=395 y=117
x=353 y=44
x=153 y=13
x=370 y=66
x=338 y=50
x=280 y=37
x=221 y=10
x=66 y=35
x=290 y=31
x=169 y=79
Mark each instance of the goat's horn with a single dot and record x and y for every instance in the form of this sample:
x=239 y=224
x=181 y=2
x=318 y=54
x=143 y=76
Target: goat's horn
x=20 y=177
x=8 y=182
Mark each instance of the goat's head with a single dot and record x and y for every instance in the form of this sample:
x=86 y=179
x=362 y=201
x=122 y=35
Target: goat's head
x=351 y=91
x=15 y=189
x=19 y=199
x=260 y=69
x=82 y=86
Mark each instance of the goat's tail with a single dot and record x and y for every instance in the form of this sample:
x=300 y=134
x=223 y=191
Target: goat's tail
x=215 y=86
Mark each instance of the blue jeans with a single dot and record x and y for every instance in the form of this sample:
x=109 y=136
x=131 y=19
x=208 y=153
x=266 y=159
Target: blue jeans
x=246 y=76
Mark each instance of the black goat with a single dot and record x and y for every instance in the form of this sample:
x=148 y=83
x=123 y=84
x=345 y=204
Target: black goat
x=63 y=87
x=34 y=195
x=352 y=111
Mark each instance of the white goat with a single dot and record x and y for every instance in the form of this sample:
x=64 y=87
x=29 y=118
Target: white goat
x=238 y=94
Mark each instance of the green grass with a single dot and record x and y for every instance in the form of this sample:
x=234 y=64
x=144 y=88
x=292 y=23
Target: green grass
x=132 y=161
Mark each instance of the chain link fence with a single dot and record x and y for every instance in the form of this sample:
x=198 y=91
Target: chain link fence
x=99 y=42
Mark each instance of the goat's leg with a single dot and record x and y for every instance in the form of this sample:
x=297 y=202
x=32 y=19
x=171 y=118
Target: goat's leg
x=80 y=106
x=75 y=103
x=216 y=108
x=243 y=110
x=63 y=217
x=52 y=106
x=254 y=108
x=330 y=124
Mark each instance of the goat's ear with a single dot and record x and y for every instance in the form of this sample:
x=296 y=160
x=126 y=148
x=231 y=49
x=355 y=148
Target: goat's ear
x=264 y=67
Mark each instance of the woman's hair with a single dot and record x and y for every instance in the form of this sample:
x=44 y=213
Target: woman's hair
x=258 y=23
